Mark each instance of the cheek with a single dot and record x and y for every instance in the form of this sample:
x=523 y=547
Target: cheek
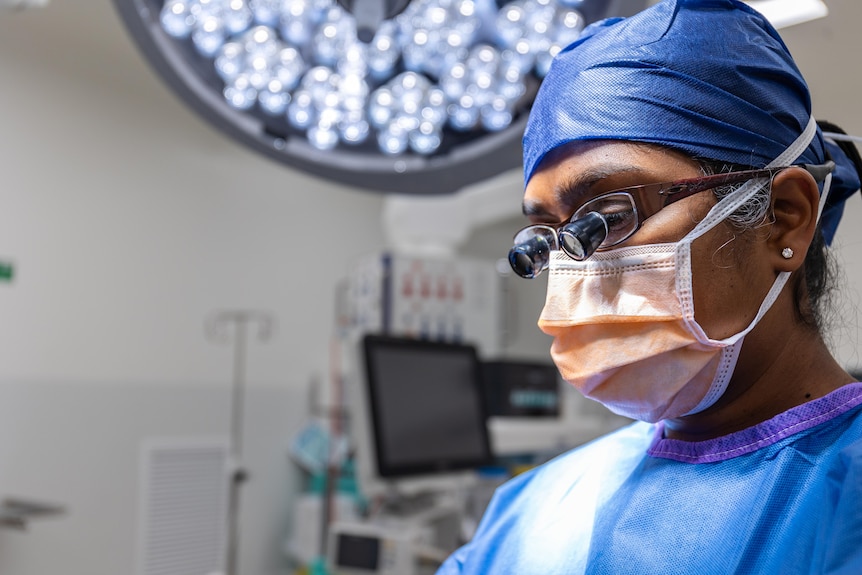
x=673 y=222
x=724 y=282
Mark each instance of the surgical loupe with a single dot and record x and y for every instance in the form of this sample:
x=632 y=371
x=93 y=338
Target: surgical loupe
x=582 y=237
x=529 y=256
x=579 y=239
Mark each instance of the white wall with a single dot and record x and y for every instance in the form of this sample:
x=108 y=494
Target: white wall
x=129 y=221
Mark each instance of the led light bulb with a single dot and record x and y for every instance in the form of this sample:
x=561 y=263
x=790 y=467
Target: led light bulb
x=230 y=61
x=266 y=12
x=538 y=23
x=319 y=81
x=353 y=59
x=484 y=79
x=465 y=8
x=260 y=40
x=393 y=139
x=511 y=89
x=239 y=93
x=463 y=114
x=208 y=35
x=435 y=33
x=433 y=108
x=297 y=21
x=425 y=139
x=409 y=86
x=323 y=136
x=522 y=56
x=289 y=67
x=353 y=90
x=435 y=15
x=381 y=107
x=336 y=32
x=454 y=81
x=483 y=58
x=353 y=128
x=176 y=18
x=237 y=16
x=259 y=70
x=273 y=99
x=301 y=112
x=510 y=23
x=496 y=114
x=567 y=26
x=383 y=53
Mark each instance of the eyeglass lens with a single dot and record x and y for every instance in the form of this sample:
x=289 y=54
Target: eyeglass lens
x=619 y=212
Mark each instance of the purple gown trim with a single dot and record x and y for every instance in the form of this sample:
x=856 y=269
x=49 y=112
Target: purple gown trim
x=763 y=434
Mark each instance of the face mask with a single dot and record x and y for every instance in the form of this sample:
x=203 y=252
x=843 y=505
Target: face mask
x=623 y=321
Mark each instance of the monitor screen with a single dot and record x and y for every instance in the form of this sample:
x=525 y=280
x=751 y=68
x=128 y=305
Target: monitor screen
x=426 y=406
x=358 y=552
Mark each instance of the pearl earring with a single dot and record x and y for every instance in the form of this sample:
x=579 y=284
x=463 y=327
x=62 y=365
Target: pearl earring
x=787 y=253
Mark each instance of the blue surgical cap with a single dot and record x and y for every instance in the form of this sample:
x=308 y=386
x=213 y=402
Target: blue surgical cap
x=711 y=78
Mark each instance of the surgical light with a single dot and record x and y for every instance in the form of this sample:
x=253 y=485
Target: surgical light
x=421 y=96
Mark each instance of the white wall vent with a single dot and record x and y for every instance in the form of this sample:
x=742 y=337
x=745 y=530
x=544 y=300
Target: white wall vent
x=183 y=506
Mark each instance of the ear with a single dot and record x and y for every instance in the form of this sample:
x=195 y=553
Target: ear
x=795 y=199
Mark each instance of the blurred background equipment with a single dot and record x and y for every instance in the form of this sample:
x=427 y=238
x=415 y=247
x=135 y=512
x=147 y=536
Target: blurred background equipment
x=521 y=389
x=426 y=415
x=418 y=423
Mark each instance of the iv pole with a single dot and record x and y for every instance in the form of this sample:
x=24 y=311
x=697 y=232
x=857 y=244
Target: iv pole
x=218 y=330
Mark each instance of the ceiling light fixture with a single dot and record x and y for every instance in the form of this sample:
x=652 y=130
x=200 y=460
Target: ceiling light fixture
x=784 y=13
x=418 y=97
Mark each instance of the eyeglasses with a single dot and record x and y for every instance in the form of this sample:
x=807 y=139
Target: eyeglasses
x=611 y=218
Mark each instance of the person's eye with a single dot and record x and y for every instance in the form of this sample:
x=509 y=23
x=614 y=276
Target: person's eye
x=619 y=218
x=618 y=211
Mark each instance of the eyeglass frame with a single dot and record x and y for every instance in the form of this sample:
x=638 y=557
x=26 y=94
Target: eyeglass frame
x=677 y=190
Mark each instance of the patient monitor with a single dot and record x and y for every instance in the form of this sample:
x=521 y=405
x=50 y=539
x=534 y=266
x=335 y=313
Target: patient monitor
x=419 y=425
x=420 y=417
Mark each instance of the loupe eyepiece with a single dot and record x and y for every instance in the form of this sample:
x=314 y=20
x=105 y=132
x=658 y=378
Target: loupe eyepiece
x=582 y=237
x=530 y=257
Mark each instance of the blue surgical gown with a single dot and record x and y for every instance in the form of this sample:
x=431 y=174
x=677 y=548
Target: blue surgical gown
x=782 y=497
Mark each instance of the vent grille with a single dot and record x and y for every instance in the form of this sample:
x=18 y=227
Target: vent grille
x=184 y=507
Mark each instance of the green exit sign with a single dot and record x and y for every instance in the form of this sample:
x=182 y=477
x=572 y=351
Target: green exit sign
x=7 y=271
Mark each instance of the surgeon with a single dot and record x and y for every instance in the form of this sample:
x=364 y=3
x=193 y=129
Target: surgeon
x=682 y=199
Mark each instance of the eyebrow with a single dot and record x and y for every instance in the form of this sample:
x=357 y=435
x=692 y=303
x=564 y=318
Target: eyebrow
x=569 y=191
